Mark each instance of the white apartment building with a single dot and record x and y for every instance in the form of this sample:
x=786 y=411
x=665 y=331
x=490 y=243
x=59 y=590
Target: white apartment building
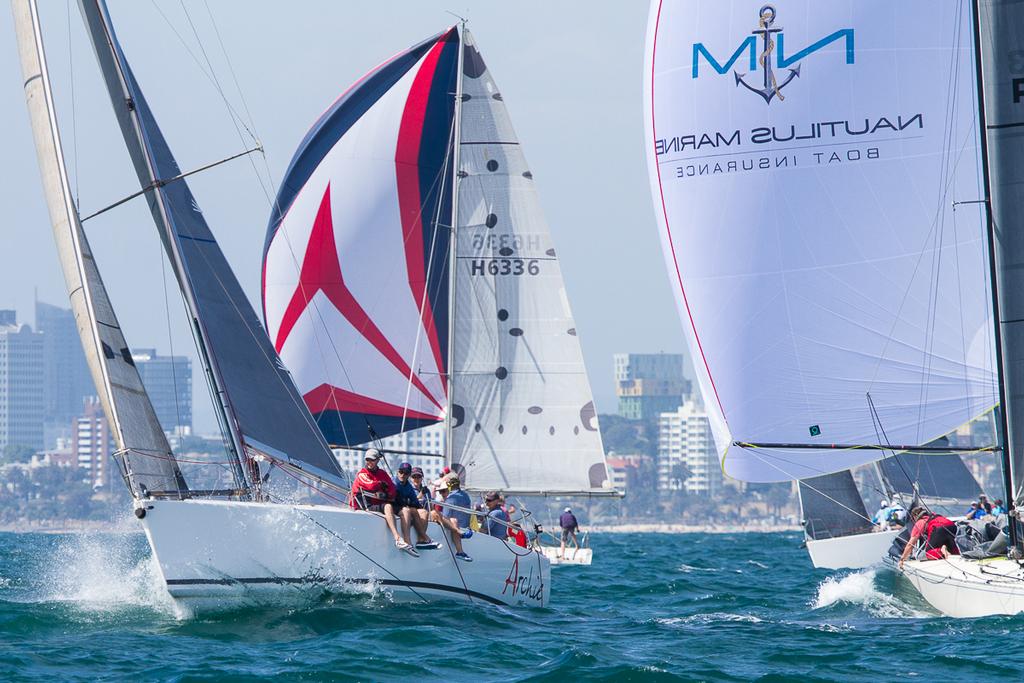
x=687 y=458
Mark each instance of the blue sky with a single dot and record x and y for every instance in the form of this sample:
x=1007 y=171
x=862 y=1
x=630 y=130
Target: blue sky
x=571 y=74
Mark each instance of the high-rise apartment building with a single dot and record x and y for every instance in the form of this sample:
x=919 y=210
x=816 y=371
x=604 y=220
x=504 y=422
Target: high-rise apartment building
x=649 y=384
x=91 y=444
x=687 y=458
x=21 y=384
x=168 y=381
x=66 y=379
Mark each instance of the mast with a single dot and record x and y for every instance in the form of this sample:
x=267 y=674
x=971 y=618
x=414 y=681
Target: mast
x=449 y=441
x=995 y=281
x=113 y=67
x=143 y=454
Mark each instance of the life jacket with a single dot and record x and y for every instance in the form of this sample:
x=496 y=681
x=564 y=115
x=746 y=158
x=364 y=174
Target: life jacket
x=935 y=522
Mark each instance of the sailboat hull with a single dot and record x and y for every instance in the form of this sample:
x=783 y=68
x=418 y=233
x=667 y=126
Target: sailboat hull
x=963 y=588
x=856 y=551
x=223 y=554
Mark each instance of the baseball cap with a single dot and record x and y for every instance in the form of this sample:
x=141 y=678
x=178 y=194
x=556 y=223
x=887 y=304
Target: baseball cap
x=405 y=467
x=373 y=454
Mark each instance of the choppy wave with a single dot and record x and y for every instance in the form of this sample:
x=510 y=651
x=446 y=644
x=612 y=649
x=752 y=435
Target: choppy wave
x=651 y=608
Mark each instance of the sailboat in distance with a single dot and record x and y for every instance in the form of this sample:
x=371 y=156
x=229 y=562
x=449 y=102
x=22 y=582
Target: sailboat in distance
x=409 y=278
x=841 y=216
x=226 y=546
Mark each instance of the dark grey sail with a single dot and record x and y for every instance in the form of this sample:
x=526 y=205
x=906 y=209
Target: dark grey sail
x=143 y=453
x=930 y=476
x=832 y=506
x=1001 y=30
x=257 y=400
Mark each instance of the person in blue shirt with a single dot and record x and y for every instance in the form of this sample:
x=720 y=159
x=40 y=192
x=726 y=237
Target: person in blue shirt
x=494 y=525
x=407 y=505
x=998 y=508
x=457 y=520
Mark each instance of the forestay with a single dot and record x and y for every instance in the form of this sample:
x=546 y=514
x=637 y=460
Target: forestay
x=805 y=159
x=142 y=449
x=523 y=415
x=254 y=391
x=355 y=269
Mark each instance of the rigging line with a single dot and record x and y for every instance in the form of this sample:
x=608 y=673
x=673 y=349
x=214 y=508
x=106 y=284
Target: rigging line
x=439 y=183
x=945 y=171
x=231 y=68
x=803 y=482
x=170 y=338
x=350 y=545
x=885 y=437
x=235 y=118
x=210 y=78
x=303 y=409
x=158 y=183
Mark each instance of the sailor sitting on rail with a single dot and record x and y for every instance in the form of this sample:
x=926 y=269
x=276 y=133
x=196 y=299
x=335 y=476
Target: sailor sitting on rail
x=374 y=491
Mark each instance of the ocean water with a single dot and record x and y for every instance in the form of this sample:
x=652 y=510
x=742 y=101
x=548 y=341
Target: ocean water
x=653 y=607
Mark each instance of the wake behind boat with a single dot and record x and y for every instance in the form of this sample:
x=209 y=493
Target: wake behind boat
x=243 y=540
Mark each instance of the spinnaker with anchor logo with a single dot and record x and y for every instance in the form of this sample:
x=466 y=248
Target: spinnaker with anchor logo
x=247 y=541
x=847 y=266
x=770 y=87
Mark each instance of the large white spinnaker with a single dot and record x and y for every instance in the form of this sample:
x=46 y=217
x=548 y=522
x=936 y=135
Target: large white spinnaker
x=523 y=409
x=805 y=160
x=142 y=449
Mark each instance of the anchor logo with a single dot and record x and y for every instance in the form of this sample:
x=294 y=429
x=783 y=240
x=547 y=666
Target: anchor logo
x=770 y=86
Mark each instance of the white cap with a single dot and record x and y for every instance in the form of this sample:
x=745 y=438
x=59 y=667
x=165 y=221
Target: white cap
x=567 y=510
x=883 y=504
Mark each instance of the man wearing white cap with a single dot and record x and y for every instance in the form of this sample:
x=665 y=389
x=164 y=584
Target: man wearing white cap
x=569 y=528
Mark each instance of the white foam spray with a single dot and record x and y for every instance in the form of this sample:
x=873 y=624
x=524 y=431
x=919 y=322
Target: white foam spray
x=859 y=589
x=106 y=573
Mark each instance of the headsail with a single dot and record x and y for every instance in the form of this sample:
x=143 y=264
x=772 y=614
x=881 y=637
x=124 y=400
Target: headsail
x=804 y=162
x=832 y=506
x=355 y=268
x=942 y=476
x=523 y=417
x=255 y=395
x=142 y=449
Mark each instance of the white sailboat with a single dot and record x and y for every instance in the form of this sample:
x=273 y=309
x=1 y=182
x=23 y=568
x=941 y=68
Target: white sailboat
x=420 y=286
x=838 y=237
x=840 y=533
x=223 y=547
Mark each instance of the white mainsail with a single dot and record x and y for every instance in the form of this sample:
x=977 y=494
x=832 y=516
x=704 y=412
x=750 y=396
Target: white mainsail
x=805 y=160
x=523 y=409
x=142 y=449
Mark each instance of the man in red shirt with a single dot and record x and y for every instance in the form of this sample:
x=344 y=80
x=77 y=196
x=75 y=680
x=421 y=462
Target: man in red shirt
x=937 y=532
x=373 y=490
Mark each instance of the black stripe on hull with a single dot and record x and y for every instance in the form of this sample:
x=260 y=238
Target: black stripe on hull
x=361 y=581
